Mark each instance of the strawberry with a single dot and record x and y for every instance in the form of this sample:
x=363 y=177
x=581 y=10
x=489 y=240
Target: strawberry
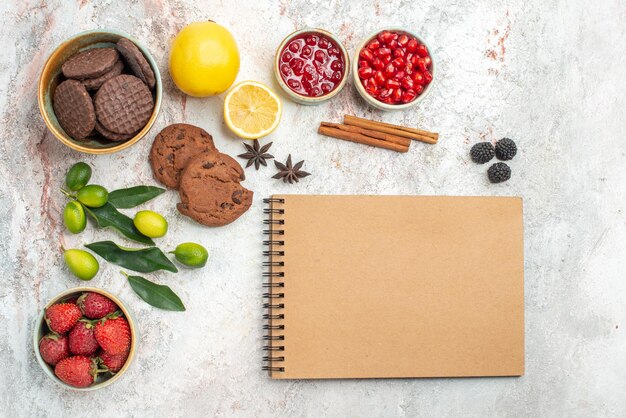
x=95 y=305
x=113 y=334
x=62 y=317
x=77 y=371
x=53 y=348
x=82 y=341
x=113 y=362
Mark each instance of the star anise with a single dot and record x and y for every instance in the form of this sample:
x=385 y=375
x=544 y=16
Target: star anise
x=256 y=154
x=290 y=173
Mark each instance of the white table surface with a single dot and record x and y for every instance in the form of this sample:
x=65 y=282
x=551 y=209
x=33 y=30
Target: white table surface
x=550 y=74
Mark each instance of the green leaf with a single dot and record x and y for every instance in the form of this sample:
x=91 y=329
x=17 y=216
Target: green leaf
x=157 y=295
x=133 y=196
x=144 y=260
x=107 y=215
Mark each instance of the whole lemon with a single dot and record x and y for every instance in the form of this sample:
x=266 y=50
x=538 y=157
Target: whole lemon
x=204 y=59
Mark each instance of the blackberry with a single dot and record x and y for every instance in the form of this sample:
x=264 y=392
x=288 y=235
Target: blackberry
x=505 y=149
x=499 y=172
x=482 y=152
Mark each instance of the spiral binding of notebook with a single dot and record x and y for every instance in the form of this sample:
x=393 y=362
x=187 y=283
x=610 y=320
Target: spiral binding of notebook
x=273 y=283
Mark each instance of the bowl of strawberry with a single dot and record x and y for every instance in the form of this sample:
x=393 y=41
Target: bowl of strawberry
x=393 y=69
x=85 y=338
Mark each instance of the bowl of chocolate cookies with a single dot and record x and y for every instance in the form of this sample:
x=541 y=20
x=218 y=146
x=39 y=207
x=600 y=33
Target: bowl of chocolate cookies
x=100 y=92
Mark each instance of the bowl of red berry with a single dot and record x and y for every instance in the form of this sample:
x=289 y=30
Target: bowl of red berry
x=311 y=66
x=85 y=339
x=393 y=69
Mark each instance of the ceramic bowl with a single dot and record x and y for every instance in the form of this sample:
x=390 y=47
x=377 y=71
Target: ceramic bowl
x=305 y=100
x=373 y=101
x=41 y=329
x=51 y=76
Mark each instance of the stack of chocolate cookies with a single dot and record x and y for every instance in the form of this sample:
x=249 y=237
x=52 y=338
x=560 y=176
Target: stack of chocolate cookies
x=107 y=91
x=184 y=157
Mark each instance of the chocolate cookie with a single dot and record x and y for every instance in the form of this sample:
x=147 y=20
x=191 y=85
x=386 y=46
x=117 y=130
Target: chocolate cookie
x=96 y=83
x=112 y=136
x=210 y=192
x=123 y=104
x=136 y=61
x=172 y=149
x=91 y=63
x=74 y=109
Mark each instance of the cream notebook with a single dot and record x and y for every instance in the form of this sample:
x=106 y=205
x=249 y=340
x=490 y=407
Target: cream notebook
x=394 y=286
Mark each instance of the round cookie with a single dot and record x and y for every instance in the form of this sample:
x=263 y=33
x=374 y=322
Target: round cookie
x=210 y=190
x=112 y=136
x=91 y=63
x=174 y=147
x=96 y=83
x=74 y=109
x=123 y=104
x=136 y=61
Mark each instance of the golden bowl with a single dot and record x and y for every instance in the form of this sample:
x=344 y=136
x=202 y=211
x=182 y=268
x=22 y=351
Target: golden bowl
x=51 y=76
x=41 y=329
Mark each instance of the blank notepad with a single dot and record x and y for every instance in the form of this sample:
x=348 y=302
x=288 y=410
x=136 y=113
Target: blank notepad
x=394 y=286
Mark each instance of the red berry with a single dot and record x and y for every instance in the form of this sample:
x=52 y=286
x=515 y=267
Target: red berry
x=365 y=72
x=388 y=100
x=379 y=78
x=287 y=56
x=333 y=52
x=375 y=44
x=428 y=76
x=82 y=340
x=320 y=56
x=421 y=64
x=392 y=84
x=306 y=52
x=422 y=51
x=384 y=93
x=428 y=61
x=62 y=317
x=385 y=36
x=377 y=64
x=315 y=92
x=114 y=362
x=398 y=62
x=326 y=87
x=419 y=89
x=366 y=54
x=363 y=63
x=383 y=52
x=389 y=71
x=311 y=40
x=403 y=40
x=386 y=60
x=397 y=95
x=411 y=46
x=392 y=44
x=96 y=306
x=408 y=96
x=294 y=84
x=77 y=371
x=294 y=47
x=113 y=335
x=399 y=52
x=399 y=75
x=54 y=348
x=407 y=83
x=336 y=77
x=418 y=78
x=323 y=43
x=336 y=65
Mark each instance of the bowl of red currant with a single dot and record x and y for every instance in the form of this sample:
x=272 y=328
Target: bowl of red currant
x=311 y=66
x=393 y=69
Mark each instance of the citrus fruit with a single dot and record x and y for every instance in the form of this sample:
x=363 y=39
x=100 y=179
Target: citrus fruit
x=191 y=254
x=150 y=223
x=252 y=110
x=74 y=217
x=204 y=59
x=78 y=176
x=81 y=263
x=93 y=196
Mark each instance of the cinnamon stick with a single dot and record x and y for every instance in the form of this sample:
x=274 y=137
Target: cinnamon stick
x=397 y=130
x=373 y=134
x=337 y=133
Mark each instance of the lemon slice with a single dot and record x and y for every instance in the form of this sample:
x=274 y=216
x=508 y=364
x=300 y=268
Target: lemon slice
x=252 y=110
